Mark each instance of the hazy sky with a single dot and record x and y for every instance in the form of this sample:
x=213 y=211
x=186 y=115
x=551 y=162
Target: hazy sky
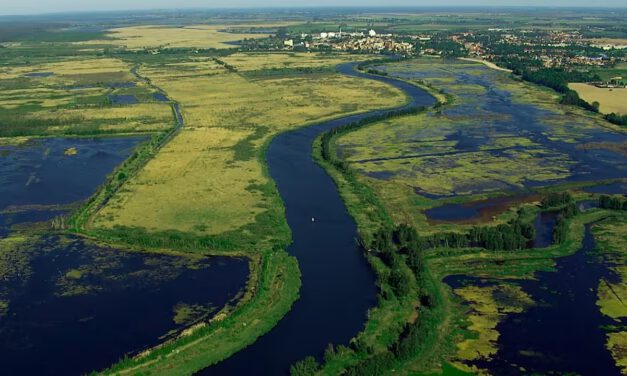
x=47 y=6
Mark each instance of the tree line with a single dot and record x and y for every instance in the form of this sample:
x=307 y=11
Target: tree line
x=612 y=203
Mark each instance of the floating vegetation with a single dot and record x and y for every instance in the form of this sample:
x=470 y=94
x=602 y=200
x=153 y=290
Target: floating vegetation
x=187 y=314
x=70 y=151
x=487 y=306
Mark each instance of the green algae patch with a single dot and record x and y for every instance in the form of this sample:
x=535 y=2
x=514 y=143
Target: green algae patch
x=487 y=306
x=70 y=152
x=611 y=236
x=187 y=314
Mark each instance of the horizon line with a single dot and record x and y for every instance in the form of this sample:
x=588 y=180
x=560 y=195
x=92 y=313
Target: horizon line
x=347 y=7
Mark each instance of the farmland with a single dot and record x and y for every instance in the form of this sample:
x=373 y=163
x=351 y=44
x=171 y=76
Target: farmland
x=610 y=100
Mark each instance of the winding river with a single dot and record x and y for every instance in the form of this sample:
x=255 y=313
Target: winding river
x=338 y=286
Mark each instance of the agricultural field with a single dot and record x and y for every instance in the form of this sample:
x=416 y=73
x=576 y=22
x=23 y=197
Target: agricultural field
x=228 y=121
x=424 y=160
x=610 y=100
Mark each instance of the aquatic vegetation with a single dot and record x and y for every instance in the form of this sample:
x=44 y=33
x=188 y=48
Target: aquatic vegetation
x=187 y=314
x=611 y=236
x=487 y=306
x=70 y=151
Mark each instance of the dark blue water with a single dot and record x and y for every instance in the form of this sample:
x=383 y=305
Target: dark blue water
x=122 y=304
x=40 y=173
x=123 y=99
x=452 y=212
x=160 y=97
x=562 y=330
x=39 y=74
x=338 y=286
x=609 y=189
x=544 y=224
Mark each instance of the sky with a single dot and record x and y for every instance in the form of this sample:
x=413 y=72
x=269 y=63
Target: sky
x=53 y=6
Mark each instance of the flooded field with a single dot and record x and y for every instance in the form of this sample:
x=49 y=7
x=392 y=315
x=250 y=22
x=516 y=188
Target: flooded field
x=518 y=135
x=558 y=329
x=72 y=307
x=475 y=211
x=68 y=306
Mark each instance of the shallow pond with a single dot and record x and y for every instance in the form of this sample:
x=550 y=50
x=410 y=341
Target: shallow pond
x=74 y=308
x=123 y=99
x=58 y=171
x=475 y=211
x=561 y=333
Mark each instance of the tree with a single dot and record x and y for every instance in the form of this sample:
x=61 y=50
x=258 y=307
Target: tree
x=306 y=367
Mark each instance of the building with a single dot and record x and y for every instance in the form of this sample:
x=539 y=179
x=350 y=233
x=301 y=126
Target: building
x=372 y=33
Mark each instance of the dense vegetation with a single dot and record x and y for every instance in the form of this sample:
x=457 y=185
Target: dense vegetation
x=612 y=202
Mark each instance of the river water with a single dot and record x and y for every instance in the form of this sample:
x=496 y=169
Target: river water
x=338 y=286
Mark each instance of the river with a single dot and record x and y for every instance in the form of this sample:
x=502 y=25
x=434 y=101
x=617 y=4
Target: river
x=338 y=285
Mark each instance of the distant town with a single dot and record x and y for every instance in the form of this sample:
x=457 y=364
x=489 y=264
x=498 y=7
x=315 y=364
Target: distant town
x=506 y=47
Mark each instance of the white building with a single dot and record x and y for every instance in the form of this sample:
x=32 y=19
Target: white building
x=372 y=33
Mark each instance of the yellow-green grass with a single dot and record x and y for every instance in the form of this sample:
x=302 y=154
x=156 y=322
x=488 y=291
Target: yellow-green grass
x=610 y=100
x=484 y=313
x=261 y=61
x=73 y=101
x=160 y=36
x=206 y=180
x=68 y=66
x=611 y=236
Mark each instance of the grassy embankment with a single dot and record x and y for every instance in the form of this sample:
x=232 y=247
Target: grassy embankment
x=440 y=322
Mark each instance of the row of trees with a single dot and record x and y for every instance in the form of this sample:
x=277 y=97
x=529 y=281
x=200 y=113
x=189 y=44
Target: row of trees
x=560 y=231
x=612 y=202
x=556 y=199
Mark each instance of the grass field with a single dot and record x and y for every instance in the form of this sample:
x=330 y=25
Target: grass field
x=610 y=100
x=209 y=178
x=245 y=62
x=73 y=97
x=155 y=36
